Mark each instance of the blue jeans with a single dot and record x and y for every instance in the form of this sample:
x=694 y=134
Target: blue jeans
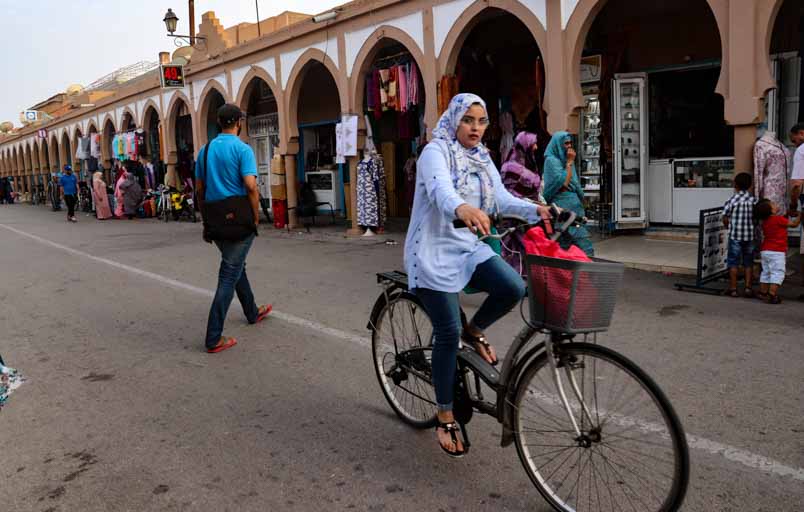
x=741 y=254
x=505 y=288
x=231 y=278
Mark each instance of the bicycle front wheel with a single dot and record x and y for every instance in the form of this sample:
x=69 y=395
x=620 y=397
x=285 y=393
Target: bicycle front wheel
x=401 y=345
x=631 y=453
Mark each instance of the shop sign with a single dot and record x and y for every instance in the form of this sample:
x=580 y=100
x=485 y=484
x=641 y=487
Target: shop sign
x=591 y=69
x=42 y=133
x=713 y=247
x=172 y=76
x=30 y=115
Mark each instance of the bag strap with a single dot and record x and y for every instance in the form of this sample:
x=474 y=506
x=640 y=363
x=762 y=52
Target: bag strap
x=206 y=169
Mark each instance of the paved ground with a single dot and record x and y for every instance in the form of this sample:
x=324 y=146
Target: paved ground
x=123 y=410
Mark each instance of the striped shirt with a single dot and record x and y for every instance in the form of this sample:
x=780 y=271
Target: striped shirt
x=740 y=211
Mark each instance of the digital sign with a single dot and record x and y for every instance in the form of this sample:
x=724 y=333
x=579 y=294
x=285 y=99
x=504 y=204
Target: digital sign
x=172 y=76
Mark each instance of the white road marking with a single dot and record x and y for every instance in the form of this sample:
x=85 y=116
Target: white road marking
x=734 y=454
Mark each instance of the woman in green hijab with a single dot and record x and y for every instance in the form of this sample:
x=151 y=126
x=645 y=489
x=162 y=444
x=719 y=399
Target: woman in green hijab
x=563 y=187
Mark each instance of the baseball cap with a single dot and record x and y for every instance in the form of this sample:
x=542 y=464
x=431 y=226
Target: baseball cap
x=228 y=113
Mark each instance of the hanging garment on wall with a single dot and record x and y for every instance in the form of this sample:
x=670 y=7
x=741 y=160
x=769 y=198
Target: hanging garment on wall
x=82 y=148
x=95 y=145
x=385 y=75
x=771 y=171
x=370 y=146
x=92 y=164
x=413 y=84
x=447 y=88
x=150 y=176
x=402 y=86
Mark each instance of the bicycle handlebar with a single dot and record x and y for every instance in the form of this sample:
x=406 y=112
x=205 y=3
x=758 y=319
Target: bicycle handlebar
x=564 y=219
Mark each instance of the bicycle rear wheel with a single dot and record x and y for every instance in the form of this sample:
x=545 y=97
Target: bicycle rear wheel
x=632 y=453
x=401 y=346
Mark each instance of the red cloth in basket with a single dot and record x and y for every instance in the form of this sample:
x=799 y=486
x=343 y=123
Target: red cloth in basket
x=552 y=287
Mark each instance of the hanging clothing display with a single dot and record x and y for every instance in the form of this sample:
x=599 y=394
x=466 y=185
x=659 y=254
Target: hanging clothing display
x=447 y=89
x=771 y=171
x=95 y=145
x=371 y=200
x=395 y=88
x=126 y=146
x=82 y=148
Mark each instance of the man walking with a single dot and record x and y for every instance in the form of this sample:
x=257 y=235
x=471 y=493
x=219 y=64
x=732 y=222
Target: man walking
x=797 y=184
x=69 y=189
x=226 y=169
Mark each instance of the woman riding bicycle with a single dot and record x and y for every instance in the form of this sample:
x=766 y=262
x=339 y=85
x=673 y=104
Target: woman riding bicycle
x=458 y=180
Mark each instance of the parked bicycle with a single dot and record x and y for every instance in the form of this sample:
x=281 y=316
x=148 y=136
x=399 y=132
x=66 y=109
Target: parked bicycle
x=38 y=197
x=593 y=431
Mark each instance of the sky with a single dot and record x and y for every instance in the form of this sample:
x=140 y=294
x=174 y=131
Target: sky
x=50 y=44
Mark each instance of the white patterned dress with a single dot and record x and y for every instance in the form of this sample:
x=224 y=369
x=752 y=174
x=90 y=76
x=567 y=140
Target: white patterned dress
x=371 y=193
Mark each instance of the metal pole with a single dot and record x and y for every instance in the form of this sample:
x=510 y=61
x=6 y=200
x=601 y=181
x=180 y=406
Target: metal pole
x=191 y=8
x=259 y=30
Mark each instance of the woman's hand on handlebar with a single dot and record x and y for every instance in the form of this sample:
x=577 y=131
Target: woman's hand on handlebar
x=544 y=212
x=474 y=218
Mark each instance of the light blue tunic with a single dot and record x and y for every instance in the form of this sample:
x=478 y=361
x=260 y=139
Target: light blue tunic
x=438 y=256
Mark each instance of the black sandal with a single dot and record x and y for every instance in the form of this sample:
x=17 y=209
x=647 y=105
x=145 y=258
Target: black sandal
x=452 y=429
x=479 y=340
x=774 y=299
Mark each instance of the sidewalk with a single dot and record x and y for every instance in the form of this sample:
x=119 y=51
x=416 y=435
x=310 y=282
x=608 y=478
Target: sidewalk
x=644 y=253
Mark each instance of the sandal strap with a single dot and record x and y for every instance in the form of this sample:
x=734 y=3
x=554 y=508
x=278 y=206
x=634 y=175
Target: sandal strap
x=451 y=426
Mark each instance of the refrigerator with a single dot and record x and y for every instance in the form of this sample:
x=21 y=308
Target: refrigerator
x=630 y=151
x=589 y=156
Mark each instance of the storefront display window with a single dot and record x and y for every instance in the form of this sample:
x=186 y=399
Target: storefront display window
x=704 y=173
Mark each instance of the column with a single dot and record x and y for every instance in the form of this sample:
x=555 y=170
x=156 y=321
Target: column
x=291 y=177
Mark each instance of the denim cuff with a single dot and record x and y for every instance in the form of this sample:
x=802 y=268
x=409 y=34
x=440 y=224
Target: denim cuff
x=444 y=408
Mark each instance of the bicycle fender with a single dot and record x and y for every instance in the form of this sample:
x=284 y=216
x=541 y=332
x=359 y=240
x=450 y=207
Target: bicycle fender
x=382 y=301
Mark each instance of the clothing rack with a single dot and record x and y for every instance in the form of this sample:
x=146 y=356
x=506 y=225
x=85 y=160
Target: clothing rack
x=395 y=56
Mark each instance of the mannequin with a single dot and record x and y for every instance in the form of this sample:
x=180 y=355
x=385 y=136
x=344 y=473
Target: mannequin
x=771 y=170
x=371 y=192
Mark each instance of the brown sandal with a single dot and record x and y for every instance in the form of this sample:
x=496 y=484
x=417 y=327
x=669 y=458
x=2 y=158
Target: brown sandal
x=452 y=429
x=479 y=341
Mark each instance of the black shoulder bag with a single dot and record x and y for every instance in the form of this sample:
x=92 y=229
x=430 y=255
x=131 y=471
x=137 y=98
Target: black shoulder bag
x=230 y=219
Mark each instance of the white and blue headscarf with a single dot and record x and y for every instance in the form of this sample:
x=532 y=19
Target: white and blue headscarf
x=465 y=162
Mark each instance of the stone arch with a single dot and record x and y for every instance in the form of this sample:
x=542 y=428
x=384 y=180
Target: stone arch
x=366 y=56
x=293 y=91
x=471 y=17
x=132 y=115
x=767 y=14
x=202 y=119
x=92 y=127
x=27 y=160
x=148 y=114
x=169 y=123
x=36 y=157
x=246 y=87
x=55 y=155
x=580 y=23
x=64 y=148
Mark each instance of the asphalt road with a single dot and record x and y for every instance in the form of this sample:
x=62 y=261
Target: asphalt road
x=124 y=411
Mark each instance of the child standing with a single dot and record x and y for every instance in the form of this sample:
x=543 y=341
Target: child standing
x=738 y=216
x=774 y=249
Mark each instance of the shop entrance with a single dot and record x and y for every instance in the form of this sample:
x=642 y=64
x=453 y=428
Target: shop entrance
x=209 y=113
x=183 y=137
x=784 y=106
x=654 y=143
x=107 y=151
x=501 y=62
x=153 y=141
x=393 y=100
x=319 y=110
x=262 y=130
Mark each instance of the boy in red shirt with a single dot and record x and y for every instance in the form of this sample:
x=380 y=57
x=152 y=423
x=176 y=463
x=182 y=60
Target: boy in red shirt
x=773 y=250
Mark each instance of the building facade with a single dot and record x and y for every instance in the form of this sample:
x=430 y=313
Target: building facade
x=534 y=61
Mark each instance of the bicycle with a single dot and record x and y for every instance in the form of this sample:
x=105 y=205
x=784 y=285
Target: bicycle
x=593 y=431
x=165 y=208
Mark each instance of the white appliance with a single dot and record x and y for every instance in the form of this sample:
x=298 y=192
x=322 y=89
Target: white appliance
x=630 y=151
x=324 y=183
x=660 y=191
x=589 y=156
x=263 y=134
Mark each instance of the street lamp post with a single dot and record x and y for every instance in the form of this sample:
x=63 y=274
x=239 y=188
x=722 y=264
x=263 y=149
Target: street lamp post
x=171 y=22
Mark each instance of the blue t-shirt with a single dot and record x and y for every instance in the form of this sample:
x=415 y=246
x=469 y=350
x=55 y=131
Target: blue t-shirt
x=69 y=183
x=230 y=160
